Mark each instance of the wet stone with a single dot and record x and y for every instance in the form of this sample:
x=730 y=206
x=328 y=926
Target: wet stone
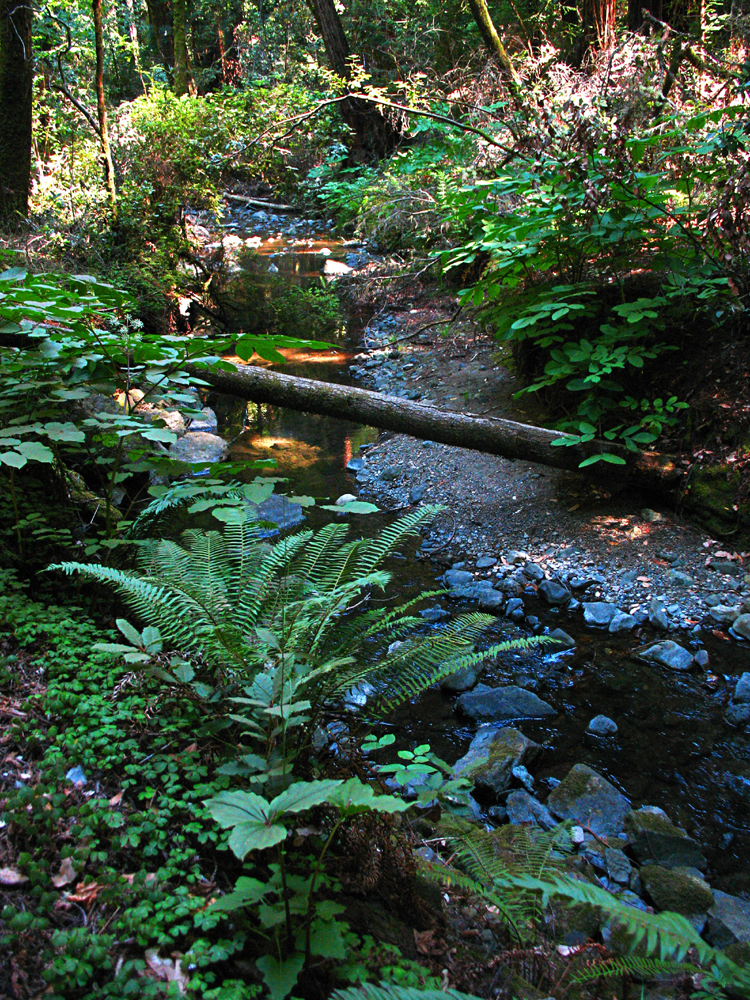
x=436 y=614
x=462 y=680
x=589 y=799
x=622 y=623
x=599 y=612
x=458 y=578
x=485 y=562
x=492 y=755
x=728 y=920
x=742 y=689
x=679 y=579
x=668 y=653
x=726 y=567
x=524 y=809
x=725 y=614
x=602 y=725
x=533 y=571
x=554 y=593
x=654 y=838
x=561 y=640
x=486 y=704
x=657 y=614
x=199 y=446
x=741 y=626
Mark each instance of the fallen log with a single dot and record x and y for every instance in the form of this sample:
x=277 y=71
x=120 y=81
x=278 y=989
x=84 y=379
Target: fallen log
x=495 y=436
x=260 y=202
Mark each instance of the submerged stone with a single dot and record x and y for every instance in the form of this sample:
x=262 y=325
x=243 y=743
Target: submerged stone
x=668 y=653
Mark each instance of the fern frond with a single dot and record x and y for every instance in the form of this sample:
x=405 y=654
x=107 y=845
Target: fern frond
x=632 y=965
x=367 y=991
x=375 y=550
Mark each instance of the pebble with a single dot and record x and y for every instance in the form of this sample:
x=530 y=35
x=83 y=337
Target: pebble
x=602 y=725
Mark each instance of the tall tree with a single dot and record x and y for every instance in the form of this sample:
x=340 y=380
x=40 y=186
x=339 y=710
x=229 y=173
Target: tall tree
x=491 y=39
x=179 y=17
x=109 y=169
x=373 y=136
x=16 y=79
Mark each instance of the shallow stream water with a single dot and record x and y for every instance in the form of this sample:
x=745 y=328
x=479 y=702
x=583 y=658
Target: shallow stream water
x=672 y=748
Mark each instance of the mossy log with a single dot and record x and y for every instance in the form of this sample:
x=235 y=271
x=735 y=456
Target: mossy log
x=506 y=438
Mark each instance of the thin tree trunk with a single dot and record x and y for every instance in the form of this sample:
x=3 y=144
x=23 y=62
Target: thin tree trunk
x=134 y=41
x=491 y=39
x=109 y=169
x=16 y=77
x=222 y=49
x=496 y=437
x=180 y=47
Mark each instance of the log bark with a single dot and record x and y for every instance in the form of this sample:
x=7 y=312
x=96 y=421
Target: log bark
x=502 y=437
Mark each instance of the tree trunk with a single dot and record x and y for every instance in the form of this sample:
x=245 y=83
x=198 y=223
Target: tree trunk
x=160 y=21
x=373 y=136
x=495 y=47
x=109 y=169
x=495 y=436
x=16 y=76
x=180 y=47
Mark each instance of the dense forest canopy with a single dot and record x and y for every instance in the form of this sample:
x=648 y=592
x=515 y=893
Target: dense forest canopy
x=196 y=802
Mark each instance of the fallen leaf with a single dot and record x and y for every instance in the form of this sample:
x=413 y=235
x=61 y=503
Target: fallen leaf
x=66 y=875
x=643 y=579
x=85 y=894
x=10 y=877
x=166 y=969
x=116 y=799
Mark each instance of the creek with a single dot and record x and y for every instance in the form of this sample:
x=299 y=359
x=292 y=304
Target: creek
x=672 y=749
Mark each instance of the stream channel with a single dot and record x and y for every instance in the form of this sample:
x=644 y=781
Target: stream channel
x=673 y=748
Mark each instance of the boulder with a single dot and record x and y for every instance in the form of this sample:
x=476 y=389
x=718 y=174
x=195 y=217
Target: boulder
x=554 y=593
x=524 y=809
x=657 y=614
x=668 y=653
x=725 y=614
x=278 y=511
x=742 y=688
x=208 y=422
x=599 y=612
x=677 y=889
x=492 y=755
x=199 y=446
x=486 y=704
x=617 y=865
x=741 y=626
x=728 y=920
x=458 y=578
x=561 y=640
x=652 y=837
x=590 y=800
x=622 y=622
x=462 y=680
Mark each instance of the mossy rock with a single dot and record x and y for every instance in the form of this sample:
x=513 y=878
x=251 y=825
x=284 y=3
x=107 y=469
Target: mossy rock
x=585 y=797
x=713 y=501
x=654 y=838
x=677 y=890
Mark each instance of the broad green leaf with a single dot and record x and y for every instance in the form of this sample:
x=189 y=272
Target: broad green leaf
x=354 y=796
x=129 y=631
x=231 y=808
x=35 y=451
x=160 y=434
x=68 y=432
x=326 y=940
x=13 y=274
x=246 y=892
x=591 y=460
x=613 y=459
x=303 y=795
x=184 y=673
x=230 y=515
x=152 y=639
x=280 y=977
x=13 y=459
x=113 y=647
x=254 y=836
x=353 y=507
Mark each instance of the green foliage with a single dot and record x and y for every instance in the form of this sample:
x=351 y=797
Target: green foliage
x=591 y=207
x=402 y=201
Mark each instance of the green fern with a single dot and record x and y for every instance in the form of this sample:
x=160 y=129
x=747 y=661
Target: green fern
x=633 y=965
x=367 y=991
x=220 y=595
